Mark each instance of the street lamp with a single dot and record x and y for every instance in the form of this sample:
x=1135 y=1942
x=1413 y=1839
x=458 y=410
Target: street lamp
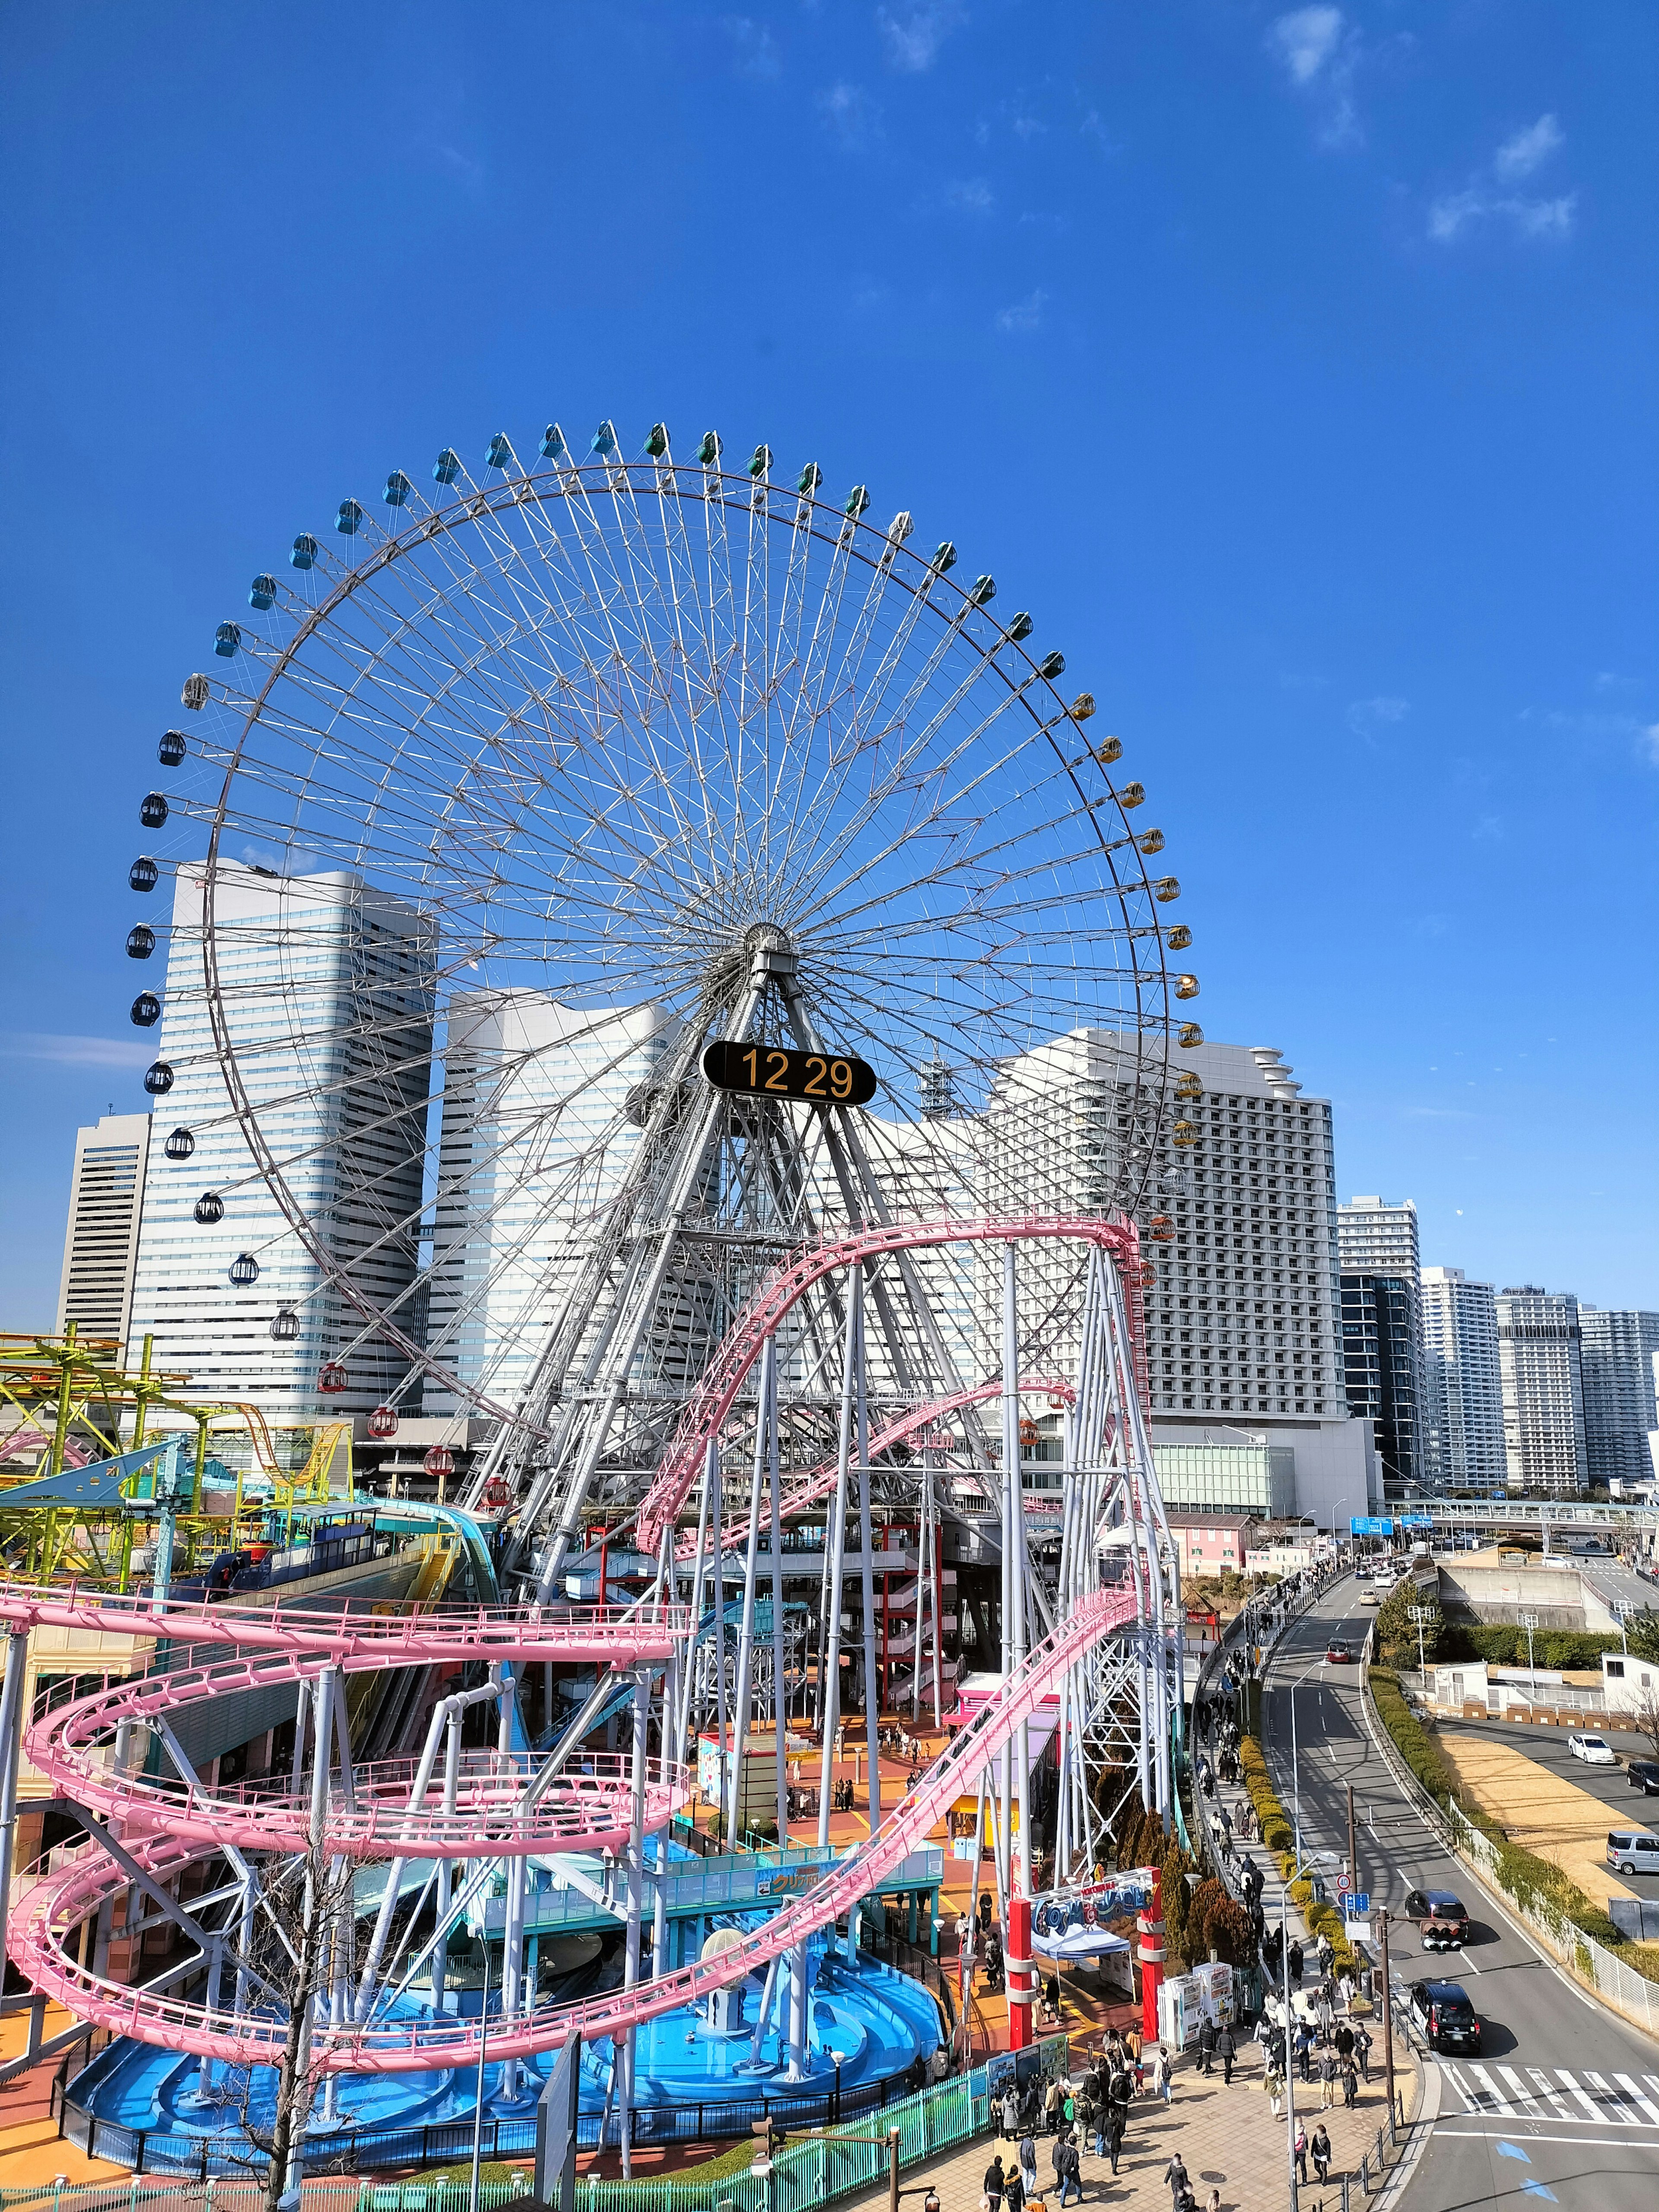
x=1528 y=1621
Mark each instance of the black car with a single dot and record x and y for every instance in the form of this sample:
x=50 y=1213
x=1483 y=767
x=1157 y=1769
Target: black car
x=1643 y=1775
x=1443 y=2011
x=1444 y=1919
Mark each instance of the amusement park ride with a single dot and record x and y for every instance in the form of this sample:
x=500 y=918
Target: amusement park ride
x=757 y=1336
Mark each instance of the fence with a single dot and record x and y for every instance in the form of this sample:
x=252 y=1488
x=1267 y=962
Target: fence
x=805 y=2175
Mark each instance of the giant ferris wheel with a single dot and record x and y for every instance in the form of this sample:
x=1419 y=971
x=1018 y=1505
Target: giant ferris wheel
x=509 y=796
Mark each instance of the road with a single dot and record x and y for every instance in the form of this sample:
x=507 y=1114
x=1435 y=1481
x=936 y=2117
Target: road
x=1562 y=2107
x=1547 y=1748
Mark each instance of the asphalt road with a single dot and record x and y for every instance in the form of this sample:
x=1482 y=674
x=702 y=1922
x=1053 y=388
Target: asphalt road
x=1629 y=1808
x=1562 y=2107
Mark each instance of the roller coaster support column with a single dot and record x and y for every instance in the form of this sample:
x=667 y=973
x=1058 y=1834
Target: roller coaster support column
x=1021 y=1973
x=1013 y=1545
x=780 y=1700
x=313 y=1939
x=625 y=2057
x=732 y=1791
x=11 y=1736
x=829 y=1685
x=867 y=1548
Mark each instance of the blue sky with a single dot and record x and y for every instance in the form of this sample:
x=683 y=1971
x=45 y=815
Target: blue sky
x=1296 y=367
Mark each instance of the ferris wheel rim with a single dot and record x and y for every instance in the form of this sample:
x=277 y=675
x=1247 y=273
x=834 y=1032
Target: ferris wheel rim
x=1026 y=682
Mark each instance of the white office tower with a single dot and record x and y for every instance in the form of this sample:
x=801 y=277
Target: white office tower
x=541 y=1113
x=1373 y=1239
x=100 y=1245
x=1242 y=1322
x=1616 y=1353
x=327 y=990
x=1463 y=1385
x=1538 y=1357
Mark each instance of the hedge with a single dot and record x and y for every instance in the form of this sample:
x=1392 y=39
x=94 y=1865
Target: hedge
x=1501 y=1645
x=1279 y=1836
x=1522 y=1873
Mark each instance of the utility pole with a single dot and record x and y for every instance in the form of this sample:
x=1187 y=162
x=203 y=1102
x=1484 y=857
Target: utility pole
x=1354 y=1882
x=1528 y=1621
x=1421 y=1615
x=1388 y=2022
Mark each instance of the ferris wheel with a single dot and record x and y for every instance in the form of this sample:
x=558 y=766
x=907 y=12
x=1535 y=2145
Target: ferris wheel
x=512 y=795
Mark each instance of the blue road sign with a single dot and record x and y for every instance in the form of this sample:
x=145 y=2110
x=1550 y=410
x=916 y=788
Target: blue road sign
x=1370 y=1524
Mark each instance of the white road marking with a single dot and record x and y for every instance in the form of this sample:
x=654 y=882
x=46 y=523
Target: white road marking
x=1546 y=2089
x=1629 y=2084
x=1604 y=2143
x=1573 y=2090
x=1522 y=2095
x=1499 y=2104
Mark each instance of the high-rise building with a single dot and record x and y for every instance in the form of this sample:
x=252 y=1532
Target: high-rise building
x=1376 y=1238
x=1463 y=1423
x=327 y=988
x=1616 y=1353
x=100 y=1246
x=536 y=1138
x=1538 y=1357
x=1382 y=1371
x=1242 y=1320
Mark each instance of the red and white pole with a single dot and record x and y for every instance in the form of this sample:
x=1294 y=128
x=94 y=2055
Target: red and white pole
x=1151 y=1928
x=1021 y=1974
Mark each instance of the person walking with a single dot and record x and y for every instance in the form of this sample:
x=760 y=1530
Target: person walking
x=1052 y=2105
x=1343 y=2040
x=1028 y=2165
x=1175 y=2174
x=1163 y=2085
x=1273 y=2082
x=1068 y=2168
x=1227 y=2050
x=994 y=2183
x=1300 y=2150
x=1011 y=2114
x=1362 y=2052
x=1327 y=2072
x=1319 y=2148
x=1297 y=1963
x=1350 y=2084
x=1013 y=2192
x=1206 y=2046
x=1115 y=2132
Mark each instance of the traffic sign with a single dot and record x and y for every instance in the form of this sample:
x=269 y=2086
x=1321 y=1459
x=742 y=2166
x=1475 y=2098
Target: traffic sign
x=1370 y=1524
x=1354 y=1903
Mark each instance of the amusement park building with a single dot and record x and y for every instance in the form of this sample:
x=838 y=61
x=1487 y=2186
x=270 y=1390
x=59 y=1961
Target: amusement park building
x=1462 y=1425
x=100 y=1245
x=1616 y=1354
x=1539 y=1359
x=327 y=990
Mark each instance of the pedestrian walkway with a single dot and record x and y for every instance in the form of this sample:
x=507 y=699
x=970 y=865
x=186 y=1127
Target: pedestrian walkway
x=1227 y=2138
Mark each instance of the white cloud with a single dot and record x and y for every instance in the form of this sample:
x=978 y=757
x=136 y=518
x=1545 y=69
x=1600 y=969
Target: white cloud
x=1367 y=716
x=912 y=36
x=755 y=49
x=972 y=194
x=849 y=113
x=1319 y=53
x=1450 y=218
x=1306 y=40
x=1025 y=314
x=76 y=1051
x=1651 y=735
x=1520 y=156
x=1455 y=213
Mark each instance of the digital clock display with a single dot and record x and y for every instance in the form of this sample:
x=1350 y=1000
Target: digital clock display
x=772 y=1071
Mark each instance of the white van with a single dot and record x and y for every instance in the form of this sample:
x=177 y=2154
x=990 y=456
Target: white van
x=1633 y=1850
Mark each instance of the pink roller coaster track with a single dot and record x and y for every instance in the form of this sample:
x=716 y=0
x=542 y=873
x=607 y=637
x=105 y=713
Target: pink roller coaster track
x=55 y=1910
x=167 y=1828
x=713 y=1399
x=812 y=1489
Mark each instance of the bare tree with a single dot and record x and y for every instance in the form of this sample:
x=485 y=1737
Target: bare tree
x=1644 y=1716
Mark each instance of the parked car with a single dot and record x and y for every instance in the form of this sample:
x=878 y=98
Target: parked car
x=1443 y=2011
x=1437 y=1908
x=1633 y=1850
x=1593 y=1750
x=1338 y=1654
x=1643 y=1774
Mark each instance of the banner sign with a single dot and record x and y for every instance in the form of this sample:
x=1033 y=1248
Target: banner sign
x=1092 y=1905
x=1370 y=1524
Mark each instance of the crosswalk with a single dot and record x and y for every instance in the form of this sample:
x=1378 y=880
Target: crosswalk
x=1584 y=2099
